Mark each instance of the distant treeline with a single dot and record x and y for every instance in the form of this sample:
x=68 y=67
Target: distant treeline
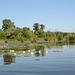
x=10 y=31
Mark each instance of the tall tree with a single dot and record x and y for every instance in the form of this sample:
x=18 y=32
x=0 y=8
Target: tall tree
x=36 y=27
x=25 y=31
x=7 y=23
x=42 y=26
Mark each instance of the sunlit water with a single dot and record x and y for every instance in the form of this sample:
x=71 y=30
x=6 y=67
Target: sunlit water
x=53 y=60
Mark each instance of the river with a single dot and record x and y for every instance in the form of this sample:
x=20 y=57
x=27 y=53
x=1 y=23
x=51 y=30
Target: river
x=43 y=59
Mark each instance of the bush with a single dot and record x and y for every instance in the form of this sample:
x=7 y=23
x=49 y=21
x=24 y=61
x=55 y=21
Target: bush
x=60 y=38
x=46 y=38
x=71 y=38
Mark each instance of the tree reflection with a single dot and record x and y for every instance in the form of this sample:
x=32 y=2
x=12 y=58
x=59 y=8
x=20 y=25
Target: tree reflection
x=39 y=50
x=8 y=59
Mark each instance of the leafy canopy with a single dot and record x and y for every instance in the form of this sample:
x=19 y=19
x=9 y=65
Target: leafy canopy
x=7 y=23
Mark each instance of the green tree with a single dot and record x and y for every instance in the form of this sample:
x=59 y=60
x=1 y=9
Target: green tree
x=2 y=34
x=48 y=34
x=7 y=23
x=25 y=31
x=71 y=38
x=36 y=27
x=20 y=37
x=65 y=34
x=39 y=33
x=46 y=38
x=25 y=28
x=57 y=33
x=29 y=34
x=17 y=31
x=42 y=26
x=10 y=32
x=60 y=37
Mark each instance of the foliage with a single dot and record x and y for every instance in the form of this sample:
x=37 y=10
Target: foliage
x=39 y=33
x=17 y=31
x=9 y=31
x=7 y=23
x=71 y=38
x=26 y=32
x=46 y=38
x=60 y=37
x=42 y=26
x=2 y=35
x=36 y=27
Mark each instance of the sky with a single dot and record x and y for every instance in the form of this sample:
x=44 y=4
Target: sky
x=54 y=14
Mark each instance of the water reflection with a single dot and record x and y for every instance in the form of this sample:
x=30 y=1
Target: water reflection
x=8 y=59
x=38 y=50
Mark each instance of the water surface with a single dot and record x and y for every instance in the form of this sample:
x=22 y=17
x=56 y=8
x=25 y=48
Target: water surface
x=43 y=59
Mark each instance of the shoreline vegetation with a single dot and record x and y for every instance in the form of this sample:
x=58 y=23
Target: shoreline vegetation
x=10 y=35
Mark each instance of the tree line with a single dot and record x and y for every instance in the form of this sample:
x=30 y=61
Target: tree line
x=10 y=31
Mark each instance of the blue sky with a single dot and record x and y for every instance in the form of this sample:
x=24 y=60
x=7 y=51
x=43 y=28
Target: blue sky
x=54 y=14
